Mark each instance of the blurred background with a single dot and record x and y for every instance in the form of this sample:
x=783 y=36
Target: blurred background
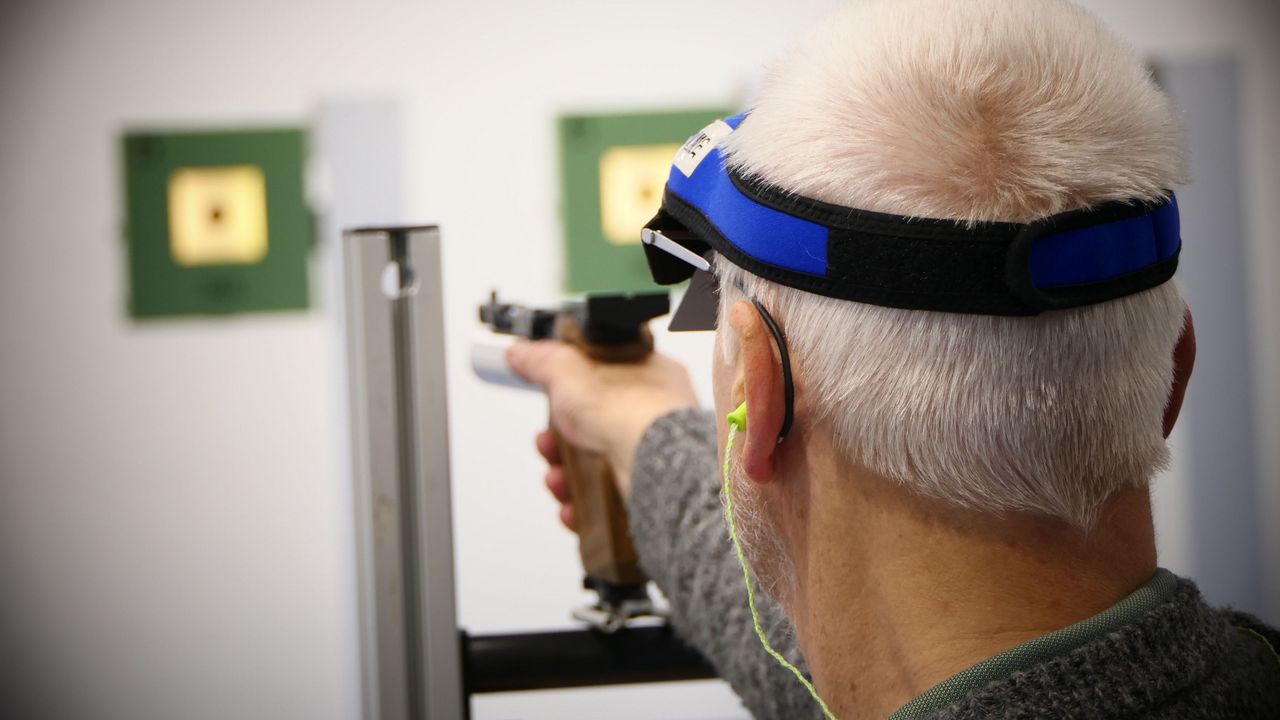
x=176 y=512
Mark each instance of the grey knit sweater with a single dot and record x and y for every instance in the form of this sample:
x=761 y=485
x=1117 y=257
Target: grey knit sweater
x=1160 y=653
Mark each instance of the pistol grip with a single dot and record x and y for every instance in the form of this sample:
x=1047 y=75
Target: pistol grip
x=604 y=534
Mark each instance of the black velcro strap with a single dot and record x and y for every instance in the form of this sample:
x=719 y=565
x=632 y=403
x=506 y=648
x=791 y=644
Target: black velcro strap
x=927 y=264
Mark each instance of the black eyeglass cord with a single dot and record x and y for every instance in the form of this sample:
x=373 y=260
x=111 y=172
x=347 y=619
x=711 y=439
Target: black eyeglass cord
x=788 y=386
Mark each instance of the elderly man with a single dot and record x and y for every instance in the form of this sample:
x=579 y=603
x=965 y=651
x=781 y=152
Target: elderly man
x=943 y=239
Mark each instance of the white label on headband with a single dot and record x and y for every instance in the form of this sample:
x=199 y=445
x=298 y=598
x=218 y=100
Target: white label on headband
x=690 y=155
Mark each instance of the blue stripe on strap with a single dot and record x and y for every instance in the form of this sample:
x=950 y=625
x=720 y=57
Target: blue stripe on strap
x=1101 y=252
x=763 y=233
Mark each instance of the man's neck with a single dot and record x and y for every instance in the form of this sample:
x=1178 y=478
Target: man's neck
x=896 y=593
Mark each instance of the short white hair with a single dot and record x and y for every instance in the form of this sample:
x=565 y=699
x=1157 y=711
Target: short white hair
x=976 y=110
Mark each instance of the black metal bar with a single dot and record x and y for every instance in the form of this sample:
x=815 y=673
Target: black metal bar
x=578 y=658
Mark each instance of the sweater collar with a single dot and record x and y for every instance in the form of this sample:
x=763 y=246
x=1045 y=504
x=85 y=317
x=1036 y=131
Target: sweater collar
x=1155 y=592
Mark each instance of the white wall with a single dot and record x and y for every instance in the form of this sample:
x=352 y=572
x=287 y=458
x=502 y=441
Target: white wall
x=174 y=521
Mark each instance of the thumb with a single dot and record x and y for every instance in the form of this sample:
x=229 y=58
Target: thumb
x=536 y=361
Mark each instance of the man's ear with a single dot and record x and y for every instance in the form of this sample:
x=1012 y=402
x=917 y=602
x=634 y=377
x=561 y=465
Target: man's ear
x=759 y=383
x=1184 y=359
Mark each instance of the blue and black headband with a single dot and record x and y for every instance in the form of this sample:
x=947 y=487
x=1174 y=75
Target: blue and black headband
x=991 y=268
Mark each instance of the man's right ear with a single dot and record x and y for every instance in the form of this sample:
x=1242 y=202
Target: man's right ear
x=1184 y=360
x=759 y=384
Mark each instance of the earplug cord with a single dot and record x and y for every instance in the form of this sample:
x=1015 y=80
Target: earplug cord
x=746 y=571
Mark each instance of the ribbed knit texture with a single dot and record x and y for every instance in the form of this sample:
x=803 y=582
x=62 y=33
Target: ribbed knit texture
x=1180 y=660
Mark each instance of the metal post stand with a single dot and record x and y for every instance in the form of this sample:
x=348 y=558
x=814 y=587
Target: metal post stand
x=410 y=652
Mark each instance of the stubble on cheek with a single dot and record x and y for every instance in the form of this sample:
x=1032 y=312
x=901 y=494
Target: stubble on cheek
x=769 y=561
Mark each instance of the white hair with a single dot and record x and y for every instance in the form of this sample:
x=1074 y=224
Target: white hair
x=975 y=110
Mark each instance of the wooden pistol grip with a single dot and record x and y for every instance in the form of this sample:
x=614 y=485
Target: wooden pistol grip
x=604 y=533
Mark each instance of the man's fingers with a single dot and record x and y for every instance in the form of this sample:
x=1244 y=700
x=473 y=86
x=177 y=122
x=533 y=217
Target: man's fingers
x=556 y=483
x=548 y=448
x=536 y=360
x=566 y=517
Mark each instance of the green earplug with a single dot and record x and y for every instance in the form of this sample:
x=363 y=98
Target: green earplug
x=738 y=418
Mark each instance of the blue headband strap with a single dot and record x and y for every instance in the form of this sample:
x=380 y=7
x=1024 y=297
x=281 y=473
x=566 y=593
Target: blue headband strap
x=1067 y=260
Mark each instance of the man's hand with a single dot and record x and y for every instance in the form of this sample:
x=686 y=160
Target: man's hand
x=601 y=407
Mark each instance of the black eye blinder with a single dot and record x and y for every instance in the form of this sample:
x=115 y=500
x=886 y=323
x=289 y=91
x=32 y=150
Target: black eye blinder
x=700 y=307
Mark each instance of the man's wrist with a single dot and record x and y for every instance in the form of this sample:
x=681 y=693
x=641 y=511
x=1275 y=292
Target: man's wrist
x=622 y=452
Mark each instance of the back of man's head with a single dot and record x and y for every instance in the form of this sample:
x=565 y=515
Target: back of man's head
x=978 y=110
